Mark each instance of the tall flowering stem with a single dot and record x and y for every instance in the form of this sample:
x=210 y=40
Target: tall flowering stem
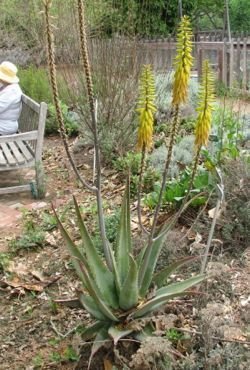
x=89 y=83
x=146 y=108
x=183 y=64
x=205 y=106
x=53 y=79
x=204 y=110
x=204 y=118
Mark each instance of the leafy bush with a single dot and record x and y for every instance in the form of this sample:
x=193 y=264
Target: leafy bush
x=130 y=163
x=71 y=120
x=177 y=188
x=35 y=83
x=182 y=156
x=227 y=129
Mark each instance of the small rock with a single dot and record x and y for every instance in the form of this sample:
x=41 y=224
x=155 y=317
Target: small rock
x=16 y=206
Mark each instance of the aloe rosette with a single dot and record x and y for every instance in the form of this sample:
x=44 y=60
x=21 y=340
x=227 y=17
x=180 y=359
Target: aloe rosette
x=116 y=298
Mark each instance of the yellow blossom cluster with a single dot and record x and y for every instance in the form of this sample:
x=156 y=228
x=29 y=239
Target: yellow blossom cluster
x=183 y=62
x=146 y=108
x=205 y=106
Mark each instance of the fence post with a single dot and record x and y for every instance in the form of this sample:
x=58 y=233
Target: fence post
x=200 y=60
x=231 y=63
x=224 y=62
x=244 y=64
x=238 y=74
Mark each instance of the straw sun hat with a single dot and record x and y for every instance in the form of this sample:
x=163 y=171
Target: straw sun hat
x=8 y=72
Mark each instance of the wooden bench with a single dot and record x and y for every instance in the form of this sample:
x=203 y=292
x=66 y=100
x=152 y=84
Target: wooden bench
x=24 y=149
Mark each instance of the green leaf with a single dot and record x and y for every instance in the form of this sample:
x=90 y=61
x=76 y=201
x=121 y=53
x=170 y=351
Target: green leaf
x=155 y=250
x=100 y=273
x=160 y=278
x=90 y=305
x=77 y=257
x=100 y=339
x=166 y=293
x=95 y=294
x=123 y=245
x=129 y=293
x=91 y=330
x=181 y=286
x=117 y=333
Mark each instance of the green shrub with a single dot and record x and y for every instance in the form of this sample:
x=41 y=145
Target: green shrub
x=35 y=83
x=131 y=163
x=70 y=120
x=177 y=188
x=228 y=133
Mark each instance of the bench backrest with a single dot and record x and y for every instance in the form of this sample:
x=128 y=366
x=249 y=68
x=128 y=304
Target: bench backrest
x=28 y=120
x=33 y=118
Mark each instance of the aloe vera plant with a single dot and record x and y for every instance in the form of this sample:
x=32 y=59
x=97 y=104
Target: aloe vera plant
x=117 y=289
x=116 y=298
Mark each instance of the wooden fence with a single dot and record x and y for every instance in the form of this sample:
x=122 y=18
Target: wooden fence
x=230 y=60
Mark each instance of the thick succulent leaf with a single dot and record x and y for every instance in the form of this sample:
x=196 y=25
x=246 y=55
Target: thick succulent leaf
x=147 y=331
x=77 y=257
x=123 y=244
x=166 y=293
x=154 y=251
x=116 y=274
x=161 y=277
x=73 y=249
x=94 y=293
x=89 y=304
x=101 y=337
x=117 y=333
x=129 y=293
x=77 y=267
x=139 y=258
x=181 y=285
x=100 y=273
x=92 y=330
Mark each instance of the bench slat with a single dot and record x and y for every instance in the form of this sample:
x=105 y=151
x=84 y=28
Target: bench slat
x=7 y=153
x=2 y=158
x=19 y=156
x=24 y=150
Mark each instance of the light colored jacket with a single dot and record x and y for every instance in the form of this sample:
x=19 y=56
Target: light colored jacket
x=10 y=108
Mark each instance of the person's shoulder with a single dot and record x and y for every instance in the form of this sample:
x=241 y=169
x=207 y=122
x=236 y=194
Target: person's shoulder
x=15 y=88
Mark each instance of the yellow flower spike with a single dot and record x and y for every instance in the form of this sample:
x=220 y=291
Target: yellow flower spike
x=146 y=108
x=183 y=62
x=205 y=106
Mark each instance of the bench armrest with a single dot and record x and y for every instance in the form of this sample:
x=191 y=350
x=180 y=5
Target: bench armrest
x=31 y=135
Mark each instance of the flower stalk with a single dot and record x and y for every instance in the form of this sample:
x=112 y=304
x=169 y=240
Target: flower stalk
x=54 y=86
x=146 y=109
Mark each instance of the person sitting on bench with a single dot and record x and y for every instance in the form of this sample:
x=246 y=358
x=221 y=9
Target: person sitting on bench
x=10 y=99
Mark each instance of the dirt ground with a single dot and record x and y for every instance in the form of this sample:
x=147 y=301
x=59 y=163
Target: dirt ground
x=36 y=332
